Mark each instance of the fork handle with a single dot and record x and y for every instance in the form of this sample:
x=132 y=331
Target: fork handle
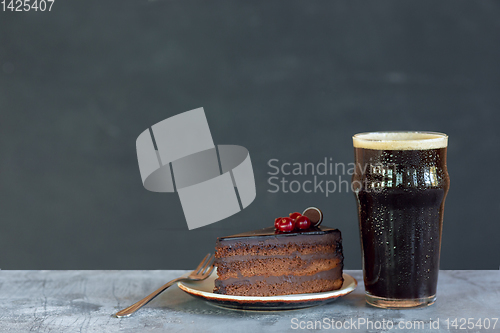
x=136 y=306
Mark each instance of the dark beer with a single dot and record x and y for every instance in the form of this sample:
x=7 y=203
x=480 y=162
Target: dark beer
x=400 y=184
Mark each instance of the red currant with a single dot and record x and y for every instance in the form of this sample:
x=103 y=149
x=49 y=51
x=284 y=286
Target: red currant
x=286 y=224
x=294 y=216
x=276 y=222
x=303 y=222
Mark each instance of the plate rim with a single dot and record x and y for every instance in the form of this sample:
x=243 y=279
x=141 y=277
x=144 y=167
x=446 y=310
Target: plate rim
x=344 y=290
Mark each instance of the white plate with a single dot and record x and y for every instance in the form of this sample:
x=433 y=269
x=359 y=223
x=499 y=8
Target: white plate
x=204 y=290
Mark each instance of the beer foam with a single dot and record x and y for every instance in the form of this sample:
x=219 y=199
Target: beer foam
x=400 y=140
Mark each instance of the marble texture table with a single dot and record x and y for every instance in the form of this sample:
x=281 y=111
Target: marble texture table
x=83 y=301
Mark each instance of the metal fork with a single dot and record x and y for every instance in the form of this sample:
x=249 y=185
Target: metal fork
x=203 y=271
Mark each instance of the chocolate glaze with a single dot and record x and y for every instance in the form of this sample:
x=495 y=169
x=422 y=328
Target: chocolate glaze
x=272 y=232
x=269 y=236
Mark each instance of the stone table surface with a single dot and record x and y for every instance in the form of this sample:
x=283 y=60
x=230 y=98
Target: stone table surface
x=83 y=301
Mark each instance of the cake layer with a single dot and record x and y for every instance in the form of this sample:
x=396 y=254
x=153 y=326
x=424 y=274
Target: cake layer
x=275 y=266
x=280 y=254
x=270 y=247
x=279 y=286
x=333 y=274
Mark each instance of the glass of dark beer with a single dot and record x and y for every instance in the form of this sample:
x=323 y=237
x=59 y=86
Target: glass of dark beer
x=400 y=183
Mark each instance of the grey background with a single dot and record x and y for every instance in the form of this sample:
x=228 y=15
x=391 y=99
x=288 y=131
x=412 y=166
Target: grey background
x=291 y=80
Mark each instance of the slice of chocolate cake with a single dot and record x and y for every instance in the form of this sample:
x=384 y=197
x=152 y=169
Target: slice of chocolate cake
x=267 y=262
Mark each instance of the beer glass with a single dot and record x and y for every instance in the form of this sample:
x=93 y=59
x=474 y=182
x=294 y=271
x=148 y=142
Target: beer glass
x=400 y=183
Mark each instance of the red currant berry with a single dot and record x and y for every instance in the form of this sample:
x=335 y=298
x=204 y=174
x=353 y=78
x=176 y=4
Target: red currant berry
x=286 y=224
x=303 y=222
x=294 y=216
x=276 y=222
